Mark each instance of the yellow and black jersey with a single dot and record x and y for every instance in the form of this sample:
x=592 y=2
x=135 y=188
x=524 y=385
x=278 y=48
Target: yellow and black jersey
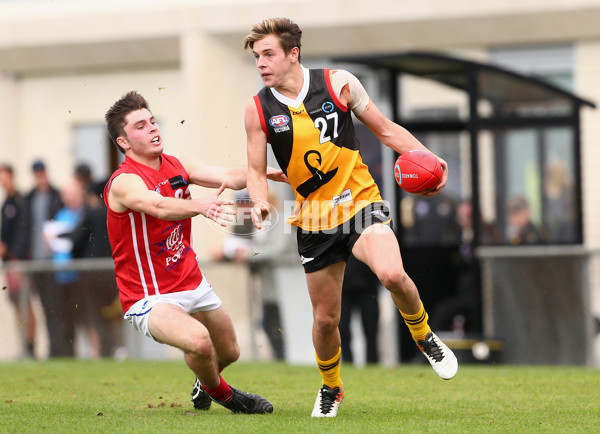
x=314 y=142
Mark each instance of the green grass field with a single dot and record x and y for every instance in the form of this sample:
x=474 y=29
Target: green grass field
x=147 y=396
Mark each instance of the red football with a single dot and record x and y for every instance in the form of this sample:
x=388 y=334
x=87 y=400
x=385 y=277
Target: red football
x=418 y=171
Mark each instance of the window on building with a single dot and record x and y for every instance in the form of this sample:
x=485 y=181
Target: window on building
x=535 y=171
x=553 y=63
x=535 y=166
x=428 y=221
x=94 y=148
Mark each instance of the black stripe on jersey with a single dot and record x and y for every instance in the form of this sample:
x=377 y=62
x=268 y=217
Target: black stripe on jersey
x=281 y=142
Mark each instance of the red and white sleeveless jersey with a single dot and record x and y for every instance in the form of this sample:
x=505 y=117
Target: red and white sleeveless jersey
x=152 y=256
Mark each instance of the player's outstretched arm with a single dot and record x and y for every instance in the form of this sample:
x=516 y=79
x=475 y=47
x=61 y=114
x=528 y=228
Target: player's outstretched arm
x=256 y=144
x=129 y=192
x=206 y=175
x=234 y=178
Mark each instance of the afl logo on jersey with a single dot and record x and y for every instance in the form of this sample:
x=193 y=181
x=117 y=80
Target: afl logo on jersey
x=327 y=107
x=279 y=121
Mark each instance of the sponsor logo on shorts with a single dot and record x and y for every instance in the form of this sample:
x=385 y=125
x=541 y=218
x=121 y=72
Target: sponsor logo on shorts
x=378 y=213
x=305 y=260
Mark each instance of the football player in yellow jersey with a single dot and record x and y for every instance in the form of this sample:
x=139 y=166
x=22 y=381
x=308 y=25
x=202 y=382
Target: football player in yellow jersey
x=305 y=116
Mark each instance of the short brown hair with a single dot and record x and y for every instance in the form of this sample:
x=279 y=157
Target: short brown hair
x=287 y=31
x=115 y=116
x=7 y=167
x=515 y=204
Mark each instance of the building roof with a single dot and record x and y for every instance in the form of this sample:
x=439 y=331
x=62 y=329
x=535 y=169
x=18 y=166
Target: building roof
x=502 y=87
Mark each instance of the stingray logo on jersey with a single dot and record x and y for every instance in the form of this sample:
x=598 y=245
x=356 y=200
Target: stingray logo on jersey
x=327 y=106
x=280 y=123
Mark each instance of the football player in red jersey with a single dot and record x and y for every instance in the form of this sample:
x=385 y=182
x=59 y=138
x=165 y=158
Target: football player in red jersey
x=162 y=290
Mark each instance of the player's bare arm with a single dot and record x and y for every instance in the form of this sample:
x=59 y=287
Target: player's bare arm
x=206 y=175
x=256 y=143
x=353 y=95
x=129 y=192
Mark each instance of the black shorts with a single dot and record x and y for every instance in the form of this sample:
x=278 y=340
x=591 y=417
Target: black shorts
x=323 y=248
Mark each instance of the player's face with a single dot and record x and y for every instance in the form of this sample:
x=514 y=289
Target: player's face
x=272 y=62
x=142 y=133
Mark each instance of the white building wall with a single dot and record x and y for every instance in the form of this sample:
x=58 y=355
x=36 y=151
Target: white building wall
x=54 y=104
x=587 y=82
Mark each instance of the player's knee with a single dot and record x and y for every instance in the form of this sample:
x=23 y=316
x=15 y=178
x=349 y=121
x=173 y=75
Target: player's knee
x=326 y=322
x=394 y=279
x=202 y=347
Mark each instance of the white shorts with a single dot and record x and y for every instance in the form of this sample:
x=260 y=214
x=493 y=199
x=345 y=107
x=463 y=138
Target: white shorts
x=201 y=299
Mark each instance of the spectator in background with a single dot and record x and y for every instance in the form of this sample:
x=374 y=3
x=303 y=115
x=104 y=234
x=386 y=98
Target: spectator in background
x=360 y=291
x=68 y=307
x=520 y=228
x=459 y=312
x=41 y=204
x=11 y=249
x=259 y=249
x=83 y=174
x=271 y=246
x=236 y=246
x=98 y=287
